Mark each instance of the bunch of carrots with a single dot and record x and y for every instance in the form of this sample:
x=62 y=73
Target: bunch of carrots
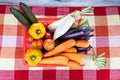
x=65 y=54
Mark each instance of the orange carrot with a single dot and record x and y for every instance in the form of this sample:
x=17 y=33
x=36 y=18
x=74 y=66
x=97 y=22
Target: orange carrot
x=65 y=53
x=60 y=60
x=74 y=65
x=82 y=43
x=74 y=50
x=79 y=20
x=75 y=57
x=60 y=48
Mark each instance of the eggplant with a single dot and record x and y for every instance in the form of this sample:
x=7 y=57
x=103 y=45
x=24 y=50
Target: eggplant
x=86 y=37
x=72 y=30
x=72 y=36
x=84 y=29
x=88 y=31
x=77 y=33
x=79 y=49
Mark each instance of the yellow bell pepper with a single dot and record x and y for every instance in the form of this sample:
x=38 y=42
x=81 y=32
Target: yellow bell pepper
x=37 y=30
x=33 y=56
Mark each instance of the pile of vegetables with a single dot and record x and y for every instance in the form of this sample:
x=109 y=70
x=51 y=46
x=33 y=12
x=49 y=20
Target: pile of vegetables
x=62 y=42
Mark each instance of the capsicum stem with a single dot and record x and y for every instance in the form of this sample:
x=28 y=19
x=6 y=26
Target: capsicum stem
x=38 y=31
x=33 y=57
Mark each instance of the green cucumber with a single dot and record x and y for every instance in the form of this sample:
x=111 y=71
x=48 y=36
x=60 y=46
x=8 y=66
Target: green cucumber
x=29 y=14
x=20 y=17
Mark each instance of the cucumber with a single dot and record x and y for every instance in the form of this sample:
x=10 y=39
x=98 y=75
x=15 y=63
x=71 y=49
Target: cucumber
x=20 y=17
x=29 y=14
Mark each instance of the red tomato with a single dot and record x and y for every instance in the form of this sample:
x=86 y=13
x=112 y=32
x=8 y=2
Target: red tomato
x=49 y=44
x=39 y=42
x=45 y=25
x=48 y=36
x=30 y=39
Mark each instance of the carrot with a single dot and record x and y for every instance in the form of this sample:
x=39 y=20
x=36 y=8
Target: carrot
x=75 y=57
x=74 y=65
x=87 y=59
x=60 y=48
x=60 y=60
x=79 y=20
x=74 y=50
x=82 y=43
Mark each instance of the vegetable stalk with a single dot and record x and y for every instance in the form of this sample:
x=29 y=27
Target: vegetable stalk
x=99 y=61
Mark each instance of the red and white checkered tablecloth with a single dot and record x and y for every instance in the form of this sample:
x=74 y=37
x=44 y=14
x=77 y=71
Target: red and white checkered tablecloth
x=106 y=23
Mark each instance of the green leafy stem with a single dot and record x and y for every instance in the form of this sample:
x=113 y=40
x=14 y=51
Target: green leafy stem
x=99 y=60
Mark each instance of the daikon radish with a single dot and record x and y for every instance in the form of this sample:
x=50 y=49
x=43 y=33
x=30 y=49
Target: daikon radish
x=65 y=24
x=62 y=25
x=52 y=27
x=61 y=47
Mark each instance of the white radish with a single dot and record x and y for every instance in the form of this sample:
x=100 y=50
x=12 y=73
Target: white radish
x=65 y=24
x=52 y=27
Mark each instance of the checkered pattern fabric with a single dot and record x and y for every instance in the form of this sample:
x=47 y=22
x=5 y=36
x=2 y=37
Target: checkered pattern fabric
x=106 y=23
